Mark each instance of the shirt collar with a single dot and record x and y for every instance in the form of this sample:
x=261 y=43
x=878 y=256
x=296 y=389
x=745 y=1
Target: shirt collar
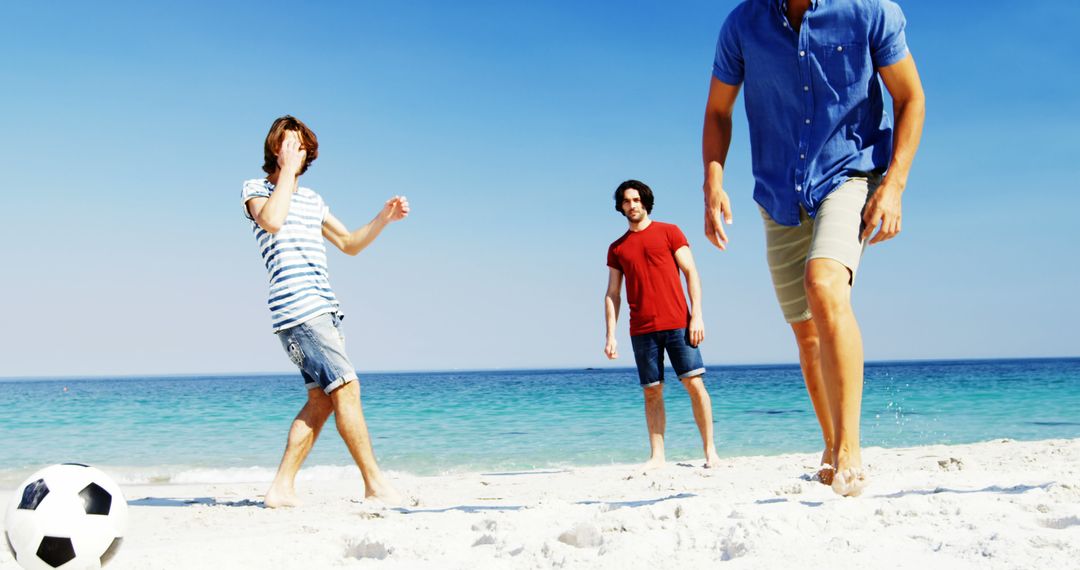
x=782 y=5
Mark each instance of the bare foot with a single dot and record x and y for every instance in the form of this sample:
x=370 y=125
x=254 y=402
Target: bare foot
x=826 y=470
x=849 y=482
x=850 y=478
x=383 y=493
x=653 y=463
x=278 y=498
x=711 y=459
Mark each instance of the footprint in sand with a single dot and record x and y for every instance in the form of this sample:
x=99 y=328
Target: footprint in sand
x=367 y=548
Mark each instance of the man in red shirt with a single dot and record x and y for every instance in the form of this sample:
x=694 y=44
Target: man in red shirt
x=650 y=255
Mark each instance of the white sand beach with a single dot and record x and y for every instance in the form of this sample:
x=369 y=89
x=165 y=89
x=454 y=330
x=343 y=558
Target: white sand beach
x=997 y=504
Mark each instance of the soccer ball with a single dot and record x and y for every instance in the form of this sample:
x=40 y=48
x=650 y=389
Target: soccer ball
x=66 y=516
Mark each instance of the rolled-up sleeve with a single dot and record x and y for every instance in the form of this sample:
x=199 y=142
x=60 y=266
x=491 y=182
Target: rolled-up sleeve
x=888 y=45
x=728 y=63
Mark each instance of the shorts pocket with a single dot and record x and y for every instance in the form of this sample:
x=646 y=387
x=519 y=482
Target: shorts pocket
x=296 y=354
x=339 y=328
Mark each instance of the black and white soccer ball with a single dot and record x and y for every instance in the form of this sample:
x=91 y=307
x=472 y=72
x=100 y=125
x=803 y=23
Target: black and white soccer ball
x=68 y=516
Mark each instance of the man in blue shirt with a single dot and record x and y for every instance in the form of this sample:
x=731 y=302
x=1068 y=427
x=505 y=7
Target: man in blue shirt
x=829 y=169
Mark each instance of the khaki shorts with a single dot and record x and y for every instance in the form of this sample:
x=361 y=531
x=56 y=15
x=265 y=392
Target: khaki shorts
x=835 y=233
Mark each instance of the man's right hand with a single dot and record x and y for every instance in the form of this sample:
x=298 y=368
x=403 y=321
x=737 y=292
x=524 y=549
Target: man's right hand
x=717 y=213
x=290 y=158
x=611 y=349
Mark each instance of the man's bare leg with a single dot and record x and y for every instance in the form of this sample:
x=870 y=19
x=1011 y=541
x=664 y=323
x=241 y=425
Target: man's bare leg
x=702 y=405
x=302 y=435
x=655 y=419
x=349 y=416
x=828 y=288
x=806 y=335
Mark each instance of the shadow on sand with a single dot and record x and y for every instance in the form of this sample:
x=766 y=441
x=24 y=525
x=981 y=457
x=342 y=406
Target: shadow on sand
x=612 y=505
x=488 y=508
x=1014 y=490
x=208 y=501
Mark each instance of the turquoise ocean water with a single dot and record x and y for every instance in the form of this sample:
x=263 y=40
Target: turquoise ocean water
x=230 y=428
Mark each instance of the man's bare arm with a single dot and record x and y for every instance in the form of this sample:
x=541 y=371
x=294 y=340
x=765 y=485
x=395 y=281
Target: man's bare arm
x=270 y=213
x=909 y=108
x=354 y=242
x=612 y=300
x=715 y=141
x=685 y=260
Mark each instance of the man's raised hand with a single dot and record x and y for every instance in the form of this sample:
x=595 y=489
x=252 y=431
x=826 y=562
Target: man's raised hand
x=290 y=157
x=395 y=209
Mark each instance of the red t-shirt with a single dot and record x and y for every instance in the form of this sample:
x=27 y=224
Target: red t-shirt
x=653 y=288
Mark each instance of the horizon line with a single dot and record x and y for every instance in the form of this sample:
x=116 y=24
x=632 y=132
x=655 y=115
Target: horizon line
x=516 y=369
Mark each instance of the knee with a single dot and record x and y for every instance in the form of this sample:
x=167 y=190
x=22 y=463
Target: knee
x=654 y=393
x=828 y=290
x=694 y=385
x=808 y=340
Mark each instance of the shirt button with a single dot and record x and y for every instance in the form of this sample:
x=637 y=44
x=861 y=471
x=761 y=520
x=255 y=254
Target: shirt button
x=802 y=53
x=798 y=188
x=808 y=121
x=805 y=87
x=839 y=48
x=802 y=156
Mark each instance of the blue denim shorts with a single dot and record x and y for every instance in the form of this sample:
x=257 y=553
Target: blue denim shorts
x=649 y=353
x=317 y=348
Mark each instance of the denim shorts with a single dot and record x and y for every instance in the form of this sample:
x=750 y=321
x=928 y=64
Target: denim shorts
x=649 y=354
x=317 y=348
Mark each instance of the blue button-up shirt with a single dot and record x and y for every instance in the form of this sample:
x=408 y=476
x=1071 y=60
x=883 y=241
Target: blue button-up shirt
x=813 y=98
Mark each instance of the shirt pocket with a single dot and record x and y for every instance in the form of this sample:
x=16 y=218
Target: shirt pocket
x=845 y=64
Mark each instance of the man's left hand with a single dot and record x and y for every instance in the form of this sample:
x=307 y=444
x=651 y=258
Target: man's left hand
x=697 y=331
x=882 y=209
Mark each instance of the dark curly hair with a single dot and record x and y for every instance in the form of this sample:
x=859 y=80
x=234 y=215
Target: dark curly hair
x=277 y=134
x=643 y=190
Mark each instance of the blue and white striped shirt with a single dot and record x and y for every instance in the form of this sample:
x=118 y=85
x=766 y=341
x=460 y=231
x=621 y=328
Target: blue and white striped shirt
x=295 y=257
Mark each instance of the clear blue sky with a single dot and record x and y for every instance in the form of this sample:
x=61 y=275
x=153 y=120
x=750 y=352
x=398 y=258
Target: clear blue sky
x=131 y=126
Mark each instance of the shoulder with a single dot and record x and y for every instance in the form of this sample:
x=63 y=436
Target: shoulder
x=742 y=14
x=748 y=8
x=256 y=183
x=668 y=227
x=255 y=187
x=868 y=10
x=674 y=235
x=615 y=244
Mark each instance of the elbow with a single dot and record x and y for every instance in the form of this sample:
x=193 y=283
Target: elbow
x=269 y=226
x=719 y=117
x=351 y=249
x=915 y=102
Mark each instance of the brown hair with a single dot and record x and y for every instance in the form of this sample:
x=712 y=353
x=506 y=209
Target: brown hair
x=277 y=134
x=643 y=191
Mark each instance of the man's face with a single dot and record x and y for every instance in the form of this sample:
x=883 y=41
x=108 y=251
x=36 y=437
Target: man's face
x=632 y=207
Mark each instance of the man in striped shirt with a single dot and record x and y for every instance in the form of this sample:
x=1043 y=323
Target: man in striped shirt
x=289 y=223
